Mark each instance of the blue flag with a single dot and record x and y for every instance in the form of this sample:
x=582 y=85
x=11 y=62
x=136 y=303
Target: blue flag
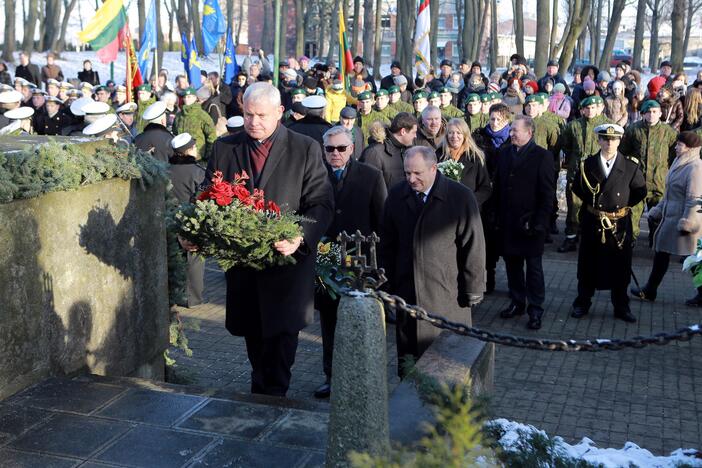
x=148 y=42
x=184 y=50
x=193 y=66
x=213 y=26
x=231 y=68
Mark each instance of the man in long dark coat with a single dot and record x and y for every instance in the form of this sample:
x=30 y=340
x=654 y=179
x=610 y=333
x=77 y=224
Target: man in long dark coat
x=433 y=250
x=388 y=156
x=156 y=139
x=523 y=190
x=359 y=196
x=609 y=184
x=269 y=307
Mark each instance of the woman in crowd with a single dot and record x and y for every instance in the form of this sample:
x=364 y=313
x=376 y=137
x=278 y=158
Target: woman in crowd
x=616 y=104
x=514 y=96
x=88 y=75
x=680 y=220
x=693 y=107
x=459 y=146
x=559 y=103
x=671 y=107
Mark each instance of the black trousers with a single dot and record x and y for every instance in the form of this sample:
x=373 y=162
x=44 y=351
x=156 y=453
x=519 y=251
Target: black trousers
x=661 y=260
x=327 y=308
x=523 y=288
x=619 y=297
x=271 y=360
x=195 y=279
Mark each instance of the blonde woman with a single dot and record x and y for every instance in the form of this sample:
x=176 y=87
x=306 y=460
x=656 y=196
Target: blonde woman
x=693 y=106
x=458 y=145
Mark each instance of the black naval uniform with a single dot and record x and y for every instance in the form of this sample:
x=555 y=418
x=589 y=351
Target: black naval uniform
x=155 y=139
x=604 y=257
x=45 y=125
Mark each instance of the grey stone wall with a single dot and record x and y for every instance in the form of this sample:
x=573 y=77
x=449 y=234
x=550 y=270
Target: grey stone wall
x=83 y=284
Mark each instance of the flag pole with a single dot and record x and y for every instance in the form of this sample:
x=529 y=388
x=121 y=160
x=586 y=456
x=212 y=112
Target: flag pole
x=276 y=43
x=129 y=68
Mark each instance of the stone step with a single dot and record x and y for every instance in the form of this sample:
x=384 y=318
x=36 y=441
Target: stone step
x=92 y=421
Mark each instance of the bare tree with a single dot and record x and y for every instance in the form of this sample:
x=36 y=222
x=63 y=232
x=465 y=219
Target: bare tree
x=433 y=26
x=30 y=24
x=580 y=13
x=654 y=5
x=9 y=36
x=518 y=7
x=612 y=31
x=467 y=29
x=170 y=10
x=50 y=24
x=406 y=18
x=493 y=35
x=693 y=7
x=283 y=49
x=60 y=42
x=239 y=23
x=677 y=54
x=554 y=28
x=368 y=32
x=196 y=23
x=556 y=50
x=541 y=48
x=141 y=11
x=639 y=33
x=378 y=39
x=334 y=26
x=299 y=27
x=356 y=25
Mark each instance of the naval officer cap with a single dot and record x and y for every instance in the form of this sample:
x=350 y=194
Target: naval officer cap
x=10 y=97
x=314 y=102
x=155 y=110
x=52 y=81
x=182 y=142
x=20 y=113
x=96 y=108
x=72 y=92
x=78 y=104
x=4 y=87
x=609 y=130
x=128 y=108
x=54 y=99
x=235 y=122
x=102 y=126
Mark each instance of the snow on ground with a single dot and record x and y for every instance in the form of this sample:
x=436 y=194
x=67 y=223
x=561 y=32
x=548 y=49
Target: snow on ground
x=630 y=455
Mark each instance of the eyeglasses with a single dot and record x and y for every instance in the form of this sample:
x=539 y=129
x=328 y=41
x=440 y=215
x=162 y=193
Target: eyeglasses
x=340 y=148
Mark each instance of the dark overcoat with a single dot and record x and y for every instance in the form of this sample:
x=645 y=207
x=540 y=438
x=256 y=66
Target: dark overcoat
x=388 y=158
x=523 y=188
x=45 y=125
x=607 y=266
x=312 y=126
x=475 y=175
x=278 y=299
x=186 y=177
x=359 y=198
x=156 y=139
x=433 y=254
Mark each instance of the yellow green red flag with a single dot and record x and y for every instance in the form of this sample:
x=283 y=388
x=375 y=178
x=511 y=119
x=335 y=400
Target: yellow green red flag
x=105 y=31
x=345 y=60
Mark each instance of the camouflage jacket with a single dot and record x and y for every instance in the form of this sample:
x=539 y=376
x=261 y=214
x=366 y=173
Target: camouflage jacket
x=364 y=122
x=198 y=123
x=476 y=122
x=402 y=106
x=547 y=134
x=578 y=141
x=654 y=147
x=450 y=112
x=139 y=120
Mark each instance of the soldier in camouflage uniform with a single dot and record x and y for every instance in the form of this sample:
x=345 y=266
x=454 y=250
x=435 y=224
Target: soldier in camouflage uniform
x=578 y=141
x=396 y=101
x=652 y=142
x=448 y=110
x=194 y=120
x=474 y=116
x=382 y=104
x=366 y=114
x=434 y=99
x=419 y=102
x=144 y=99
x=296 y=95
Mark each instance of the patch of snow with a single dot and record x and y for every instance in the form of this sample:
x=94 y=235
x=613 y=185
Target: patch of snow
x=630 y=455
x=694 y=328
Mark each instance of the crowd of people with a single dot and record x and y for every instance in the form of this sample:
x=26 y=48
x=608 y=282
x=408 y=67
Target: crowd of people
x=356 y=154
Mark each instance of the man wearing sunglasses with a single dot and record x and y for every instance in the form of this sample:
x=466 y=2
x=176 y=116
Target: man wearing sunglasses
x=359 y=196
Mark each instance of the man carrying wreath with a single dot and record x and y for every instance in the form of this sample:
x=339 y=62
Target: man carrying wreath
x=269 y=307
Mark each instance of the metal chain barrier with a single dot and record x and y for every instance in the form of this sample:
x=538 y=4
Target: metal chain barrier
x=396 y=302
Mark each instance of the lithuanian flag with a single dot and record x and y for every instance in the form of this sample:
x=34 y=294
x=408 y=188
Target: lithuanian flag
x=345 y=60
x=106 y=30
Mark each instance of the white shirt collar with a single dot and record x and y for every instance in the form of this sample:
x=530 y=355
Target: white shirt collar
x=607 y=165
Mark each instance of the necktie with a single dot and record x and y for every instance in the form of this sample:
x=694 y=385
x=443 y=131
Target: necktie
x=338 y=173
x=420 y=197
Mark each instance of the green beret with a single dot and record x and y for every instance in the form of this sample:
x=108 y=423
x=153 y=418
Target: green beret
x=189 y=92
x=543 y=97
x=382 y=92
x=591 y=100
x=296 y=91
x=647 y=105
x=144 y=87
x=393 y=89
x=472 y=97
x=444 y=90
x=487 y=97
x=419 y=95
x=433 y=95
x=532 y=98
x=494 y=96
x=365 y=96
x=104 y=88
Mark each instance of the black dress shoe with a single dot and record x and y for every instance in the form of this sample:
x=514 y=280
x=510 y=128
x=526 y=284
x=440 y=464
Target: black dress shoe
x=512 y=311
x=534 y=323
x=570 y=244
x=625 y=315
x=579 y=312
x=323 y=391
x=643 y=293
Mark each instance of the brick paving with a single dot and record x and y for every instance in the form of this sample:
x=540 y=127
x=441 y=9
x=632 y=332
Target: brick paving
x=652 y=396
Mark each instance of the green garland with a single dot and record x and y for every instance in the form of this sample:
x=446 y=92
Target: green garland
x=55 y=167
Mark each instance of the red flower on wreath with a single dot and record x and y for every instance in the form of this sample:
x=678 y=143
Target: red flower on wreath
x=223 y=193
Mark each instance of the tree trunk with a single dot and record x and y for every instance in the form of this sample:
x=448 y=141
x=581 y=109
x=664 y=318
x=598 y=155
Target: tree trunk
x=692 y=9
x=406 y=17
x=598 y=34
x=580 y=12
x=9 y=36
x=518 y=7
x=30 y=25
x=677 y=53
x=612 y=31
x=477 y=31
x=283 y=50
x=334 y=27
x=368 y=32
x=356 y=25
x=542 y=36
x=460 y=19
x=182 y=18
x=322 y=29
x=141 y=9
x=433 y=28
x=51 y=24
x=239 y=23
x=60 y=43
x=493 y=35
x=299 y=28
x=569 y=22
x=378 y=39
x=468 y=27
x=639 y=34
x=480 y=31
x=171 y=13
x=653 y=52
x=197 y=25
x=554 y=29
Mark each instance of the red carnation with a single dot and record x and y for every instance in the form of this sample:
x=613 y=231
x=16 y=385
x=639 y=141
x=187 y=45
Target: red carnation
x=273 y=208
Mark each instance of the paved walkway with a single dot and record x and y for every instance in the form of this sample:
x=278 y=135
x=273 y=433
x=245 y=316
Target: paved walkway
x=652 y=396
